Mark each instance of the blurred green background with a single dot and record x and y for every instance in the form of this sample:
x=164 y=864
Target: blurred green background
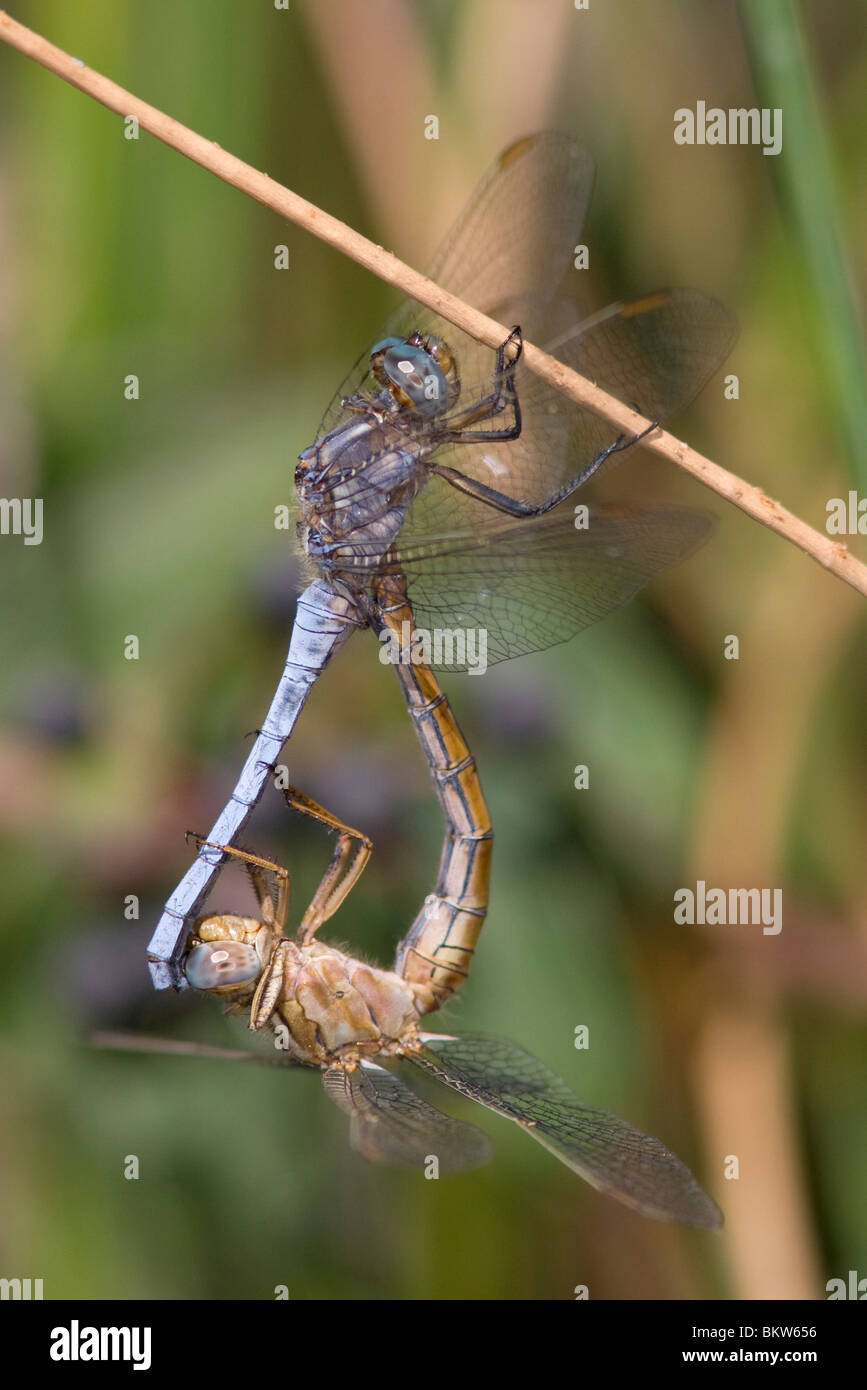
x=120 y=257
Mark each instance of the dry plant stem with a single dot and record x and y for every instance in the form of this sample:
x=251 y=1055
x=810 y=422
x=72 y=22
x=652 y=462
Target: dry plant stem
x=832 y=555
x=178 y=1047
x=171 y=1047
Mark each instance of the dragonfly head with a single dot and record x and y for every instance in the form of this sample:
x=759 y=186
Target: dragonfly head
x=420 y=373
x=227 y=954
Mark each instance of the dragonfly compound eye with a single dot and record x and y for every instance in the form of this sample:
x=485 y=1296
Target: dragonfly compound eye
x=413 y=374
x=222 y=965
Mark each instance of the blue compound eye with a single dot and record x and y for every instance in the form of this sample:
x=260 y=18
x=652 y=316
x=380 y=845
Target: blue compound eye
x=381 y=348
x=413 y=373
x=222 y=965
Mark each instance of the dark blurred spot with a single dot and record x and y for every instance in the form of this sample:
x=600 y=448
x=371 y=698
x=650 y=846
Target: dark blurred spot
x=366 y=788
x=274 y=587
x=101 y=972
x=55 y=703
x=518 y=709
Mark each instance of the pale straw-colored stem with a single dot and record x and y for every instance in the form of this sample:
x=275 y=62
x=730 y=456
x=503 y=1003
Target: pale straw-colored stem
x=831 y=554
x=181 y=1047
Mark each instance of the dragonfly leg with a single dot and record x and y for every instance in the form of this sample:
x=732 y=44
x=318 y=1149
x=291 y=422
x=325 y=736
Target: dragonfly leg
x=470 y=436
x=351 y=853
x=457 y=431
x=513 y=506
x=273 y=913
x=363 y=404
x=269 y=988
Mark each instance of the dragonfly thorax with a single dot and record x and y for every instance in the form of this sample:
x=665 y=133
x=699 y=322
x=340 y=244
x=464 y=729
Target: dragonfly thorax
x=324 y=1005
x=331 y=1005
x=357 y=482
x=355 y=485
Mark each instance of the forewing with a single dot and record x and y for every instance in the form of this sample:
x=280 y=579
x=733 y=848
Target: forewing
x=389 y=1123
x=654 y=354
x=515 y=238
x=506 y=254
x=610 y=1154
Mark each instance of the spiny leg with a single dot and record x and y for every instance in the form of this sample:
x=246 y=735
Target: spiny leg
x=351 y=853
x=274 y=914
x=456 y=429
x=513 y=506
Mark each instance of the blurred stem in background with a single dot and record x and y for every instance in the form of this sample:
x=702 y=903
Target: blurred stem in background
x=806 y=182
x=744 y=1071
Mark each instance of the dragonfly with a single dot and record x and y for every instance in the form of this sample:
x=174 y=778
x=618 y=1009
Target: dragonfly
x=356 y=1022
x=436 y=499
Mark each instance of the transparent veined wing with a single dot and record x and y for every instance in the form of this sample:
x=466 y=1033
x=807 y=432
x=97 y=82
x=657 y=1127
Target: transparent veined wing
x=389 y=1123
x=655 y=354
x=532 y=584
x=610 y=1154
x=515 y=240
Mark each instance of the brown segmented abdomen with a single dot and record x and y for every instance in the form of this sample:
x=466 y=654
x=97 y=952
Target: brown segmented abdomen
x=437 y=951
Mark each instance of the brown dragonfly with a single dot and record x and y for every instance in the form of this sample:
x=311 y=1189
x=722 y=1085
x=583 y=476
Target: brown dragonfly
x=329 y=1010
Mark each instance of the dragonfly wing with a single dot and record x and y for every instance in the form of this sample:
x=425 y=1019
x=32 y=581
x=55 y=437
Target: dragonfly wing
x=389 y=1123
x=654 y=354
x=511 y=248
x=610 y=1154
x=531 y=584
x=515 y=239
x=506 y=255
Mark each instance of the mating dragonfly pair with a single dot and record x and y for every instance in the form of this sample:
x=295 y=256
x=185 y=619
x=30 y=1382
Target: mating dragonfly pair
x=437 y=495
